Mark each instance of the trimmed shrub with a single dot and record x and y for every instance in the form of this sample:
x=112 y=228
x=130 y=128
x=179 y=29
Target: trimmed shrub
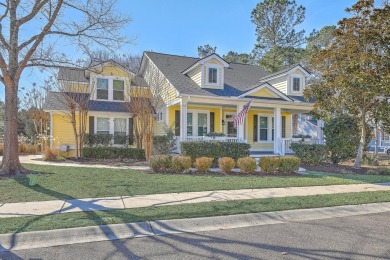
x=1 y=149
x=160 y=162
x=310 y=153
x=214 y=149
x=247 y=164
x=50 y=154
x=289 y=164
x=226 y=164
x=181 y=163
x=104 y=152
x=203 y=164
x=269 y=164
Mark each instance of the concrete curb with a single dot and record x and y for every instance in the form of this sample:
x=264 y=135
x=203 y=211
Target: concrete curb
x=39 y=239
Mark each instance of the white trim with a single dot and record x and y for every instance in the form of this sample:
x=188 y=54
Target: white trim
x=270 y=88
x=269 y=128
x=110 y=87
x=204 y=60
x=195 y=120
x=301 y=83
x=286 y=73
x=226 y=120
x=212 y=66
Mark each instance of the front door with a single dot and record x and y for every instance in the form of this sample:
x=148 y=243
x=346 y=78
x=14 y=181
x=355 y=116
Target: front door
x=230 y=130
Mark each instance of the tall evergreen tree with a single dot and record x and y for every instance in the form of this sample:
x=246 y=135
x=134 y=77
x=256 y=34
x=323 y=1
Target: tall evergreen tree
x=276 y=21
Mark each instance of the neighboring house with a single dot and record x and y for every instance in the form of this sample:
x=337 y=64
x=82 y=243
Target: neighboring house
x=200 y=95
x=108 y=113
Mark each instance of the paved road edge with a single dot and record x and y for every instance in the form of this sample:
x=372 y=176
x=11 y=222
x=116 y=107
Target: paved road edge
x=39 y=239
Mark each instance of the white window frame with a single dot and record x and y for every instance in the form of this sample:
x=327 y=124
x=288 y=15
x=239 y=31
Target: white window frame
x=207 y=75
x=195 y=113
x=301 y=79
x=226 y=121
x=269 y=128
x=110 y=87
x=112 y=124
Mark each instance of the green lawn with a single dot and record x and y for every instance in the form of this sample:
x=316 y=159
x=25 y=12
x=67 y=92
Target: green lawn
x=73 y=182
x=82 y=219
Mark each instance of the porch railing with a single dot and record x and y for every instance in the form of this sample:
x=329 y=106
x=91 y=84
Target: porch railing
x=286 y=143
x=209 y=139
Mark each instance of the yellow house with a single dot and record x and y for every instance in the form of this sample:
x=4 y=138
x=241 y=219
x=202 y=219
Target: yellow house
x=203 y=95
x=198 y=96
x=106 y=85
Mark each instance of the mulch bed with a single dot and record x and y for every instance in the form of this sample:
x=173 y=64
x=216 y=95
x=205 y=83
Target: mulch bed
x=108 y=162
x=332 y=168
x=222 y=174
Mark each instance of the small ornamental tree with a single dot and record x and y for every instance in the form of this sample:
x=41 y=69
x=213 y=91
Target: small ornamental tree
x=342 y=135
x=354 y=72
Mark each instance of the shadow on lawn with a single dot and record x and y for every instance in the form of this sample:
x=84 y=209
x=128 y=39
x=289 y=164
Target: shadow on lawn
x=208 y=245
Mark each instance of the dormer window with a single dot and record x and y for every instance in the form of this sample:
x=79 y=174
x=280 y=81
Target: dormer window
x=102 y=89
x=296 y=87
x=118 y=90
x=110 y=88
x=212 y=76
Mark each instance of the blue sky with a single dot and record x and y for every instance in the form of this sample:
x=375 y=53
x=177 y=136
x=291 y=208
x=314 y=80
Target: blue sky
x=180 y=26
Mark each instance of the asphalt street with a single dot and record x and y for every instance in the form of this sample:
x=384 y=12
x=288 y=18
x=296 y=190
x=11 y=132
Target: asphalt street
x=357 y=237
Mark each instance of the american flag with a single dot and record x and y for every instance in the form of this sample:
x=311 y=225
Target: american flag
x=239 y=118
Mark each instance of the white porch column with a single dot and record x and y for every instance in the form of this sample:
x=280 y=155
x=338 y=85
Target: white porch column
x=183 y=120
x=320 y=132
x=277 y=130
x=240 y=128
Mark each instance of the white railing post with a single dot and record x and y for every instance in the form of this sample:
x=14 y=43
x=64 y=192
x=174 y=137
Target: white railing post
x=183 y=120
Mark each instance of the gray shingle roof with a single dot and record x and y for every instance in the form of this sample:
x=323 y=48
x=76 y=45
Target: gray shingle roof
x=238 y=77
x=72 y=74
x=53 y=102
x=263 y=79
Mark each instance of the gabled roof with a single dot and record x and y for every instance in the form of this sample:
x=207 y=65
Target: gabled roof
x=239 y=78
x=204 y=60
x=266 y=85
x=285 y=71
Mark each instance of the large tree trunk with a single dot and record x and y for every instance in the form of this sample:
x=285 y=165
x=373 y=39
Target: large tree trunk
x=10 y=164
x=362 y=143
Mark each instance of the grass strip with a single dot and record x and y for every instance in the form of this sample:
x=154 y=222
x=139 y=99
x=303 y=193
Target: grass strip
x=208 y=209
x=73 y=182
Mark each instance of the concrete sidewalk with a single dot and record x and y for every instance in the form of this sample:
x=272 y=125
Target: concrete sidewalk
x=126 y=202
x=59 y=237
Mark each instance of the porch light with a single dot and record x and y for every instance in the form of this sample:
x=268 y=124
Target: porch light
x=223 y=122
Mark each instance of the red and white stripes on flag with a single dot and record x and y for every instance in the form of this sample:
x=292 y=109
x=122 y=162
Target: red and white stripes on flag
x=240 y=117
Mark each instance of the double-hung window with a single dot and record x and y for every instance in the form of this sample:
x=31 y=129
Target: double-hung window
x=118 y=91
x=263 y=128
x=102 y=125
x=110 y=89
x=102 y=89
x=120 y=130
x=213 y=75
x=296 y=84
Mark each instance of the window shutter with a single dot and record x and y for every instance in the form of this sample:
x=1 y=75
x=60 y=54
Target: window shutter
x=283 y=127
x=255 y=124
x=212 y=122
x=177 y=122
x=91 y=124
x=131 y=131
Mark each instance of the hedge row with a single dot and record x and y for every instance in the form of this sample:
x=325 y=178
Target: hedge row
x=214 y=150
x=103 y=152
x=310 y=153
x=92 y=140
x=179 y=164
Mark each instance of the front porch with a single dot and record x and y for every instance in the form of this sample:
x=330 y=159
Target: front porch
x=267 y=126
